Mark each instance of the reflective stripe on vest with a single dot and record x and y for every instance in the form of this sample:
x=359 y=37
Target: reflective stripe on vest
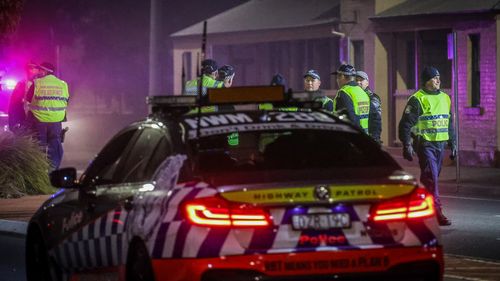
x=50 y=99
x=208 y=82
x=360 y=102
x=432 y=125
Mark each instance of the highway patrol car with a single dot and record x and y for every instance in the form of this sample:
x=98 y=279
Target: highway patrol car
x=232 y=192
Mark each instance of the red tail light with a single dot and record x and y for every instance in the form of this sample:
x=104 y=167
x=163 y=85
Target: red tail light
x=215 y=211
x=420 y=204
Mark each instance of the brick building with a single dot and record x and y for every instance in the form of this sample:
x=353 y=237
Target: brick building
x=392 y=40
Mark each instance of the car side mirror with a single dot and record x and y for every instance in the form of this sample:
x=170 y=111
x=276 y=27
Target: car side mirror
x=64 y=178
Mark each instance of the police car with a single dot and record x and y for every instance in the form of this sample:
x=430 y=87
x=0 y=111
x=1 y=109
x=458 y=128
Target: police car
x=231 y=192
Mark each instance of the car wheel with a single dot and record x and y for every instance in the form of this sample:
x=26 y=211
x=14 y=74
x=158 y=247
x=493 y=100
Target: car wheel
x=38 y=264
x=139 y=267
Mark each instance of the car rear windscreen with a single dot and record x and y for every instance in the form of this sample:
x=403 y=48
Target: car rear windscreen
x=311 y=152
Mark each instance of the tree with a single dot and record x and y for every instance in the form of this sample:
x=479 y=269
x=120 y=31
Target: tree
x=10 y=13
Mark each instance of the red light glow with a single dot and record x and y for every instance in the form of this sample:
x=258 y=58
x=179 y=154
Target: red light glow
x=217 y=212
x=419 y=205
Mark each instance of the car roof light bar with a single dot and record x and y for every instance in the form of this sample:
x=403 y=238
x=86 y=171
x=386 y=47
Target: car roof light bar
x=237 y=95
x=248 y=94
x=172 y=101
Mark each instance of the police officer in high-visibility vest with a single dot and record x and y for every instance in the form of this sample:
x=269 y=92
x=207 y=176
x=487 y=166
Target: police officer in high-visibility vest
x=375 y=117
x=312 y=82
x=209 y=72
x=48 y=100
x=351 y=98
x=428 y=112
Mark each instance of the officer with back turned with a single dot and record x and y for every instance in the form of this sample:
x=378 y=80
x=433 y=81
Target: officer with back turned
x=48 y=101
x=428 y=111
x=351 y=98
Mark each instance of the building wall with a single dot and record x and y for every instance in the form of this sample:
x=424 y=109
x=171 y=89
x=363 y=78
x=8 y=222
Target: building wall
x=256 y=53
x=477 y=126
x=497 y=151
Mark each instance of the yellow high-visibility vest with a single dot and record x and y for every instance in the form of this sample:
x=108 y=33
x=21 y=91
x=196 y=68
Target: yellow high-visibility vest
x=360 y=102
x=432 y=125
x=191 y=87
x=50 y=99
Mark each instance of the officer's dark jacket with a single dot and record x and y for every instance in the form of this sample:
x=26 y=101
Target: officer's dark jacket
x=345 y=104
x=410 y=118
x=375 y=117
x=16 y=107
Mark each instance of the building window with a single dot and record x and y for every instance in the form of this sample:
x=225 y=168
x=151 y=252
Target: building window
x=186 y=66
x=474 y=75
x=358 y=54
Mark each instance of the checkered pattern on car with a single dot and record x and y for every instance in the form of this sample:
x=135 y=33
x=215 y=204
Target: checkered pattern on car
x=177 y=238
x=101 y=243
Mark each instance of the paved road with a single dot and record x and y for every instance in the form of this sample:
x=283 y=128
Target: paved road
x=12 y=258
x=475 y=231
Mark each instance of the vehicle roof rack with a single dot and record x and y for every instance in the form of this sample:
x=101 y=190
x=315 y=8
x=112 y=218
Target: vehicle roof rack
x=275 y=95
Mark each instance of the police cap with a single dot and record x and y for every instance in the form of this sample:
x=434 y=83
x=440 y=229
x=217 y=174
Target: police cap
x=225 y=71
x=345 y=69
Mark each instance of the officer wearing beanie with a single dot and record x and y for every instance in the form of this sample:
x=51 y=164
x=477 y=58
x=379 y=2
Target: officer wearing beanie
x=428 y=111
x=209 y=71
x=351 y=97
x=312 y=82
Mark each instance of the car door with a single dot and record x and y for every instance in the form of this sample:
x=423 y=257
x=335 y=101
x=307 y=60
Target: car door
x=109 y=203
x=78 y=212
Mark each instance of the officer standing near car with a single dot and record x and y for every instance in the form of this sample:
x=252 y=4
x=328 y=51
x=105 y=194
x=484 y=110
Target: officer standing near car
x=225 y=73
x=375 y=117
x=312 y=82
x=47 y=102
x=351 y=98
x=429 y=112
x=17 y=111
x=209 y=70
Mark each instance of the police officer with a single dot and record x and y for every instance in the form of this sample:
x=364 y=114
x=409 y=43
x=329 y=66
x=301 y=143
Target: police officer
x=225 y=72
x=48 y=100
x=278 y=80
x=209 y=70
x=375 y=117
x=351 y=97
x=429 y=112
x=312 y=82
x=17 y=113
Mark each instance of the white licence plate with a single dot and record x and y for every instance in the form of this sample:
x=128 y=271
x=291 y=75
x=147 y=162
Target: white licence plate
x=321 y=221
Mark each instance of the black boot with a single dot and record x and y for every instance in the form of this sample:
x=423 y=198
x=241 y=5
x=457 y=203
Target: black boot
x=442 y=219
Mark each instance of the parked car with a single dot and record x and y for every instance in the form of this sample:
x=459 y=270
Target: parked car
x=237 y=193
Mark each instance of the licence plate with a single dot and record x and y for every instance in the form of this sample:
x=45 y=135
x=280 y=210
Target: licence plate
x=321 y=221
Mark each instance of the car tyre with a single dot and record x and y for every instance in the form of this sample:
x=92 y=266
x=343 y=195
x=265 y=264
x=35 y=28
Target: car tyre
x=38 y=264
x=139 y=266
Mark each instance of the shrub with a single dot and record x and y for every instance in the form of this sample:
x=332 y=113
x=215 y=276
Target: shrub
x=23 y=166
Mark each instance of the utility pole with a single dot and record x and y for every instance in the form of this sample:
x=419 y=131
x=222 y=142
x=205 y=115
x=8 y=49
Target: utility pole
x=154 y=61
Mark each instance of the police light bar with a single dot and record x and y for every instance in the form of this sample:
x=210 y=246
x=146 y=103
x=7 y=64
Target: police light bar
x=10 y=84
x=172 y=101
x=248 y=94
